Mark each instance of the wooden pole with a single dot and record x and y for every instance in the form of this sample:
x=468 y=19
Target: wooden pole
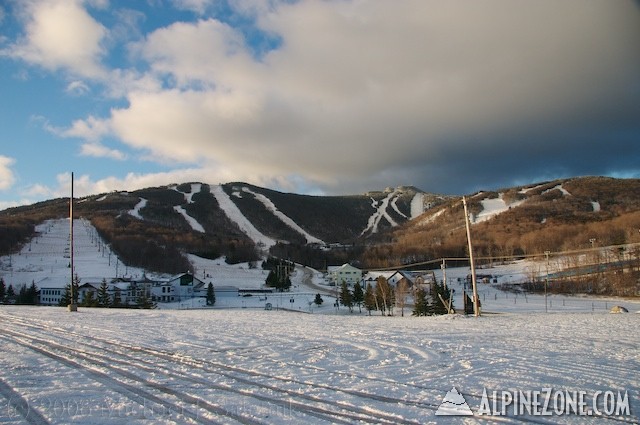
x=476 y=307
x=72 y=304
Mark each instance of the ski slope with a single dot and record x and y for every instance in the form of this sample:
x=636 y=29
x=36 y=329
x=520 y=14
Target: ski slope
x=270 y=206
x=234 y=214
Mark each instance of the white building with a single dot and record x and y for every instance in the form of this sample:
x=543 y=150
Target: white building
x=51 y=290
x=181 y=287
x=344 y=273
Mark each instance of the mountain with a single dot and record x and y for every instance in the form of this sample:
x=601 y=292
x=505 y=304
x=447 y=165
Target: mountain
x=560 y=215
x=154 y=227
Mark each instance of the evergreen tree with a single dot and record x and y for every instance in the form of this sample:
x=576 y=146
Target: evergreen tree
x=346 y=299
x=211 y=295
x=117 y=298
x=10 y=294
x=27 y=295
x=22 y=295
x=76 y=287
x=369 y=299
x=65 y=300
x=3 y=290
x=421 y=305
x=358 y=296
x=89 y=299
x=286 y=285
x=272 y=279
x=143 y=300
x=439 y=293
x=32 y=294
x=279 y=279
x=103 y=294
x=318 y=300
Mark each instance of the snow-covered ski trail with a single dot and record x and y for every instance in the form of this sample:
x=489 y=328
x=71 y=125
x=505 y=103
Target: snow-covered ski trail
x=381 y=212
x=285 y=219
x=235 y=215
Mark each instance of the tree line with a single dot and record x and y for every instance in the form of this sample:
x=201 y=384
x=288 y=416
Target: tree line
x=25 y=295
x=386 y=298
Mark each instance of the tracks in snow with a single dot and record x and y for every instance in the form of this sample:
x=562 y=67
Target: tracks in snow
x=225 y=393
x=170 y=381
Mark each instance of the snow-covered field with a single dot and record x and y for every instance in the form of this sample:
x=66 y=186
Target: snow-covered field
x=252 y=366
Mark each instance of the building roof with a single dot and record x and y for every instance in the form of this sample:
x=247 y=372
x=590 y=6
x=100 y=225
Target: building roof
x=346 y=266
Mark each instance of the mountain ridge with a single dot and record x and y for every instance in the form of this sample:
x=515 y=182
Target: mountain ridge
x=395 y=226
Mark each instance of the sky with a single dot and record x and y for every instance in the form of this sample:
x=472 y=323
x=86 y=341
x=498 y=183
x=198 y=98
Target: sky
x=315 y=97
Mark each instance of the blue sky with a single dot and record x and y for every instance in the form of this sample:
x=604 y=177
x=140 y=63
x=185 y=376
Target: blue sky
x=320 y=97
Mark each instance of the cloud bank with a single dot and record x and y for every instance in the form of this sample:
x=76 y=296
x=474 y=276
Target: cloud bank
x=354 y=95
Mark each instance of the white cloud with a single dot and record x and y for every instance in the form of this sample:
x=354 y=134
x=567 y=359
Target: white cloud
x=38 y=191
x=77 y=88
x=84 y=185
x=100 y=151
x=91 y=129
x=208 y=52
x=7 y=176
x=198 y=6
x=61 y=34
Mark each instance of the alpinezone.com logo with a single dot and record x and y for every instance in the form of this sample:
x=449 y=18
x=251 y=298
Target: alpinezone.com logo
x=542 y=402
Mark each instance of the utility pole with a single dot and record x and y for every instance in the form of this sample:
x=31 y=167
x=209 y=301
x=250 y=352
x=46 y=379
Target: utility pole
x=546 y=283
x=476 y=307
x=72 y=304
x=444 y=273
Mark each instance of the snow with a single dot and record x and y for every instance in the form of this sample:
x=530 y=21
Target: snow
x=192 y=221
x=107 y=366
x=381 y=212
x=241 y=275
x=284 y=218
x=494 y=206
x=195 y=188
x=528 y=189
x=394 y=205
x=45 y=260
x=417 y=205
x=234 y=214
x=559 y=187
x=188 y=197
x=136 y=209
x=432 y=217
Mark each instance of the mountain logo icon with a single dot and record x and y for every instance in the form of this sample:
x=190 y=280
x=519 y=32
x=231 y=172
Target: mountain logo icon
x=454 y=404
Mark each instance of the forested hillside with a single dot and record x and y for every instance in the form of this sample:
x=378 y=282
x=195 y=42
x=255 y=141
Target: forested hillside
x=557 y=216
x=155 y=227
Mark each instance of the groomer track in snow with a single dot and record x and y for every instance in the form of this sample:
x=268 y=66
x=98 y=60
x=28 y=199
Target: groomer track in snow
x=254 y=366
